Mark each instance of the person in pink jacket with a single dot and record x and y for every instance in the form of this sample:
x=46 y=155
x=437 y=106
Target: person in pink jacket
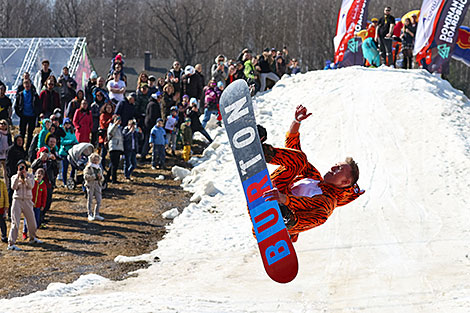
x=83 y=122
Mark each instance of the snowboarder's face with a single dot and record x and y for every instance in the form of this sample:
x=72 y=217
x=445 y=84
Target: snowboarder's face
x=339 y=175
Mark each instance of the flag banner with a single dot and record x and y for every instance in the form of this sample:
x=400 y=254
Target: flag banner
x=430 y=9
x=462 y=48
x=353 y=54
x=352 y=17
x=441 y=45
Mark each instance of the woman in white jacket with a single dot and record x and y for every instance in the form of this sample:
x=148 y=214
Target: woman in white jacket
x=22 y=184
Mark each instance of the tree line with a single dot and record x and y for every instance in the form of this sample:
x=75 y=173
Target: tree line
x=195 y=31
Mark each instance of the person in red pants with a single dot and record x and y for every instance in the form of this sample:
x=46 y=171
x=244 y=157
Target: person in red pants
x=306 y=198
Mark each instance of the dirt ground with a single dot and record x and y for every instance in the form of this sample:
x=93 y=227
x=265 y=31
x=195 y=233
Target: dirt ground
x=73 y=246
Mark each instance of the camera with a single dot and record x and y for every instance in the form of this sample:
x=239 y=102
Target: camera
x=22 y=168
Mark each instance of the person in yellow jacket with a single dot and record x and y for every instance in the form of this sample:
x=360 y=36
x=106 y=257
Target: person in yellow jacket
x=4 y=204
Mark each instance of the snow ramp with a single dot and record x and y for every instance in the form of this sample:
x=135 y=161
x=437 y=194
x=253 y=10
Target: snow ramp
x=403 y=246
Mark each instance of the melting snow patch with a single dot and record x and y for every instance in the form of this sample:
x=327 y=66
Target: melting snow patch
x=179 y=172
x=171 y=214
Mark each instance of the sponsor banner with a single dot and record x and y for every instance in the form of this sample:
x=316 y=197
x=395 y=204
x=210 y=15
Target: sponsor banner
x=353 y=54
x=446 y=35
x=429 y=15
x=352 y=18
x=462 y=47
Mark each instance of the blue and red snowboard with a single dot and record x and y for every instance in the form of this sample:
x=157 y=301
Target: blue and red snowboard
x=277 y=251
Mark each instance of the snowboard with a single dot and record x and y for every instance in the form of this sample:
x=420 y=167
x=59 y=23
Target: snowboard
x=276 y=249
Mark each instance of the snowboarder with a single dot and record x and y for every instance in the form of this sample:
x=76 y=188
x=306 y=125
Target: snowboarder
x=305 y=197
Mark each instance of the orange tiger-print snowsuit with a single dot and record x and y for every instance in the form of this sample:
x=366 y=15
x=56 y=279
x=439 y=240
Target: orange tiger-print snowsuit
x=313 y=211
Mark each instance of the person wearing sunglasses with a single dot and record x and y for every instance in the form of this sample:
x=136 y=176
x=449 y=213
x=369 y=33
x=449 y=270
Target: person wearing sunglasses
x=383 y=35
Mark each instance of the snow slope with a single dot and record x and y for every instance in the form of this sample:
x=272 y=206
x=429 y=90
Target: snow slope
x=402 y=246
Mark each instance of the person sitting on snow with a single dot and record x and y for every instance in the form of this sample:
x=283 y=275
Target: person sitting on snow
x=305 y=197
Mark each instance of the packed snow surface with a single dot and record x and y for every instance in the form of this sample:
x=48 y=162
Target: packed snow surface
x=403 y=246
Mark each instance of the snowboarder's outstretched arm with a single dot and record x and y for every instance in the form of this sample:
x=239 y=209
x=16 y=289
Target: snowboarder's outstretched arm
x=300 y=115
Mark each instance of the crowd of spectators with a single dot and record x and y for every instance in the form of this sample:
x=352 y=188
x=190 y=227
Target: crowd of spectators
x=160 y=116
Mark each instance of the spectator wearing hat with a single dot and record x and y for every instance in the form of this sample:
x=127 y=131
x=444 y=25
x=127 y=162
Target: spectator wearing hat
x=67 y=85
x=42 y=75
x=190 y=82
x=94 y=179
x=158 y=140
x=116 y=87
x=171 y=130
x=125 y=108
x=67 y=142
x=193 y=113
x=22 y=184
x=28 y=108
x=187 y=137
x=5 y=105
x=115 y=146
x=265 y=69
x=152 y=114
x=211 y=101
x=371 y=29
x=90 y=86
x=219 y=70
x=83 y=122
x=152 y=81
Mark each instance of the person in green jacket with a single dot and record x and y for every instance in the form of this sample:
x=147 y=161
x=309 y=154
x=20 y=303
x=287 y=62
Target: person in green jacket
x=250 y=72
x=66 y=144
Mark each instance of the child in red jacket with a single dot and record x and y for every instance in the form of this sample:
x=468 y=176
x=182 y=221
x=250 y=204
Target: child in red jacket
x=39 y=198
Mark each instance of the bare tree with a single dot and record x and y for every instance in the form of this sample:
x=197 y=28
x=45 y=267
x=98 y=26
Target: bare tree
x=182 y=24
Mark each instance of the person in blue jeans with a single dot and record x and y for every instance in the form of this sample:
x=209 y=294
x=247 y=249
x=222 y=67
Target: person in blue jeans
x=39 y=198
x=158 y=140
x=132 y=135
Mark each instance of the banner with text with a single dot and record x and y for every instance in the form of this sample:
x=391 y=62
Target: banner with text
x=352 y=17
x=435 y=55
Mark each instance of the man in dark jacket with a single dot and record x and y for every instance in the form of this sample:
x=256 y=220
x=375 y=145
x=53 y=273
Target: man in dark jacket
x=152 y=114
x=68 y=85
x=27 y=107
x=201 y=82
x=196 y=126
x=191 y=83
x=125 y=108
x=50 y=99
x=383 y=35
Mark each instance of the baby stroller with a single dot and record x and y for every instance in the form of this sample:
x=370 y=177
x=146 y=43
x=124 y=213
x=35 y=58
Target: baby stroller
x=78 y=158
